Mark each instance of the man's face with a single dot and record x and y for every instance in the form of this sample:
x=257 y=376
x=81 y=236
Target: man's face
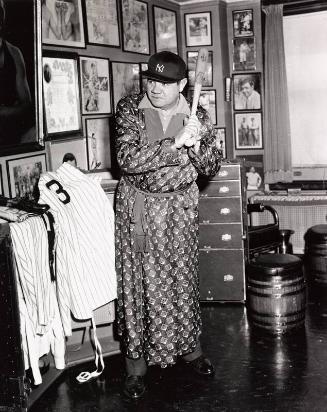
x=164 y=95
x=247 y=89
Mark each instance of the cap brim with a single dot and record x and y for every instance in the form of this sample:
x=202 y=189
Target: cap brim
x=157 y=77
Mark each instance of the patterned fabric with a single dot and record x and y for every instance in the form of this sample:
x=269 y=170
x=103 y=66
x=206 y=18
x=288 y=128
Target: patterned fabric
x=158 y=291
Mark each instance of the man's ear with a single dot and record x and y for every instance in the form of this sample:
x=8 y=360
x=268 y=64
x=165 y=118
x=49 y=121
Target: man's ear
x=182 y=84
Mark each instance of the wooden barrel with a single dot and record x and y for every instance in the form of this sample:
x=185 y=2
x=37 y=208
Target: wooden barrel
x=276 y=293
x=316 y=255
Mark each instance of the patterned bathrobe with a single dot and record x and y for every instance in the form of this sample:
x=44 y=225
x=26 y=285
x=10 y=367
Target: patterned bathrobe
x=157 y=232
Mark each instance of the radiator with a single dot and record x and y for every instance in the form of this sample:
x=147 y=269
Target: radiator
x=295 y=215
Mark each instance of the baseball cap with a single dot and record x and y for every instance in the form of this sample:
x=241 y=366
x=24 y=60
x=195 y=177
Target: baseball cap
x=165 y=67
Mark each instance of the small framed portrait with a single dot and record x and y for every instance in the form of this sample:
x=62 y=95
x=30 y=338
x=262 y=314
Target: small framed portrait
x=98 y=143
x=62 y=23
x=102 y=22
x=24 y=173
x=254 y=171
x=198 y=29
x=208 y=101
x=1 y=182
x=248 y=130
x=244 y=54
x=125 y=79
x=243 y=23
x=58 y=149
x=135 y=21
x=191 y=65
x=247 y=91
x=165 y=29
x=221 y=139
x=61 y=95
x=95 y=85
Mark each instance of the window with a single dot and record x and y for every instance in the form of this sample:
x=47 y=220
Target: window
x=305 y=37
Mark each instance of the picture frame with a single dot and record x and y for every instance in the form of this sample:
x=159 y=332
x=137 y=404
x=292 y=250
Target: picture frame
x=102 y=22
x=135 y=26
x=1 y=182
x=247 y=91
x=244 y=54
x=221 y=139
x=255 y=176
x=248 y=130
x=23 y=174
x=198 y=31
x=95 y=81
x=125 y=80
x=69 y=35
x=165 y=29
x=208 y=101
x=23 y=131
x=243 y=23
x=144 y=80
x=98 y=143
x=58 y=148
x=61 y=95
x=191 y=58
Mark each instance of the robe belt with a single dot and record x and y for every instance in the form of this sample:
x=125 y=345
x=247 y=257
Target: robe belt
x=141 y=239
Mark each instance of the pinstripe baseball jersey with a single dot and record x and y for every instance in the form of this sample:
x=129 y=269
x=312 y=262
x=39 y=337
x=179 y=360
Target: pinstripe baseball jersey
x=85 y=257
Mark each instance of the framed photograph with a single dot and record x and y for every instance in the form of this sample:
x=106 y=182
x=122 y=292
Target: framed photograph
x=247 y=91
x=62 y=23
x=165 y=29
x=58 y=149
x=254 y=171
x=98 y=143
x=61 y=95
x=23 y=130
x=144 y=80
x=125 y=79
x=191 y=65
x=135 y=21
x=248 y=130
x=95 y=85
x=208 y=101
x=23 y=174
x=1 y=182
x=221 y=139
x=102 y=22
x=243 y=23
x=244 y=54
x=198 y=29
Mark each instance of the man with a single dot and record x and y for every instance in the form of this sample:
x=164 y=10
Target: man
x=160 y=150
x=15 y=97
x=248 y=99
x=244 y=49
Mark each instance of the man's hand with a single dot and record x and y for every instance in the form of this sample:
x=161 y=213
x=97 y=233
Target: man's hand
x=189 y=135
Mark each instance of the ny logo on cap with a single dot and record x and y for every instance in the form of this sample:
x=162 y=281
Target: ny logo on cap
x=160 y=68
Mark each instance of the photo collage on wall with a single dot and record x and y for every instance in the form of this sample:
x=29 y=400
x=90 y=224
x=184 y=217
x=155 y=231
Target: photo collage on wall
x=246 y=87
x=95 y=84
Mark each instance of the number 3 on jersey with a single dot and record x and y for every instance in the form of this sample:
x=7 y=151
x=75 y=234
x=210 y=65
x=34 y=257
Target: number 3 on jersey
x=59 y=190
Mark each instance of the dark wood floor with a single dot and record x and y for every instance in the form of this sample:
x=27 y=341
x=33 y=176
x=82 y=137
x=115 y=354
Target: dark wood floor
x=254 y=372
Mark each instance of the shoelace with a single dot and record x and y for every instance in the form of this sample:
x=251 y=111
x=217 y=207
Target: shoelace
x=86 y=376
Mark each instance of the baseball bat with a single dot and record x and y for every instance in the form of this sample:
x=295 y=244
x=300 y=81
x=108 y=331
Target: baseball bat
x=200 y=68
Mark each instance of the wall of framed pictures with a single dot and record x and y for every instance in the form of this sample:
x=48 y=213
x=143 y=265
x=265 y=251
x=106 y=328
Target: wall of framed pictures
x=106 y=42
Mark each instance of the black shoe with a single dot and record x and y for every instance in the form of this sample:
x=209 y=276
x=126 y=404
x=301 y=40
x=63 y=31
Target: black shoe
x=202 y=366
x=134 y=387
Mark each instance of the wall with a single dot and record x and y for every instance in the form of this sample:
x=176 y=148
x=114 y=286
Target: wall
x=222 y=48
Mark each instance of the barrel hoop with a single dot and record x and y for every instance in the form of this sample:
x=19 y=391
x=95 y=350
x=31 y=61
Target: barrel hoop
x=264 y=315
x=276 y=295
x=275 y=285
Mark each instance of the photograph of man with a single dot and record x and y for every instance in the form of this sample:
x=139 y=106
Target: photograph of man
x=17 y=121
x=246 y=93
x=161 y=149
